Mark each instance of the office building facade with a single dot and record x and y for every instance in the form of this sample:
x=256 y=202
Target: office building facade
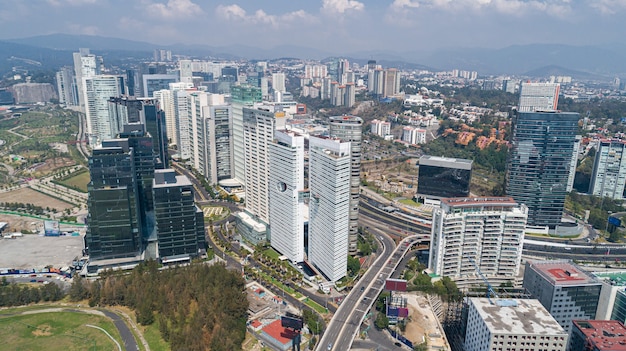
x=442 y=177
x=179 y=222
x=538 y=97
x=242 y=96
x=156 y=82
x=565 y=290
x=259 y=126
x=350 y=128
x=609 y=170
x=286 y=195
x=477 y=233
x=542 y=145
x=330 y=170
x=97 y=92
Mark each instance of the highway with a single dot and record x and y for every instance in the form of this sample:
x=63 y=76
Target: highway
x=345 y=324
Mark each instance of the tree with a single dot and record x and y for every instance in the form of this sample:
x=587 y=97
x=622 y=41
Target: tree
x=381 y=322
x=353 y=266
x=78 y=291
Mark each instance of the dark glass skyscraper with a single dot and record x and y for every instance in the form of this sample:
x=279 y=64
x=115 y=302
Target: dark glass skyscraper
x=179 y=223
x=538 y=166
x=114 y=221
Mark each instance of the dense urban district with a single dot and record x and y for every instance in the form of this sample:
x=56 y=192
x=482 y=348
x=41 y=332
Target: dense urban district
x=183 y=203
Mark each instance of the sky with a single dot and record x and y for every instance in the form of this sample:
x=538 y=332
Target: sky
x=340 y=26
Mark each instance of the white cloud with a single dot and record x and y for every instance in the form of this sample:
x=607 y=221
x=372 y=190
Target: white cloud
x=401 y=4
x=172 y=9
x=236 y=13
x=341 y=6
x=608 y=7
x=556 y=8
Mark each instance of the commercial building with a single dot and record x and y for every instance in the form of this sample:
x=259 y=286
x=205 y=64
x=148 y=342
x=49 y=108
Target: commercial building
x=86 y=65
x=519 y=324
x=565 y=290
x=179 y=222
x=592 y=335
x=278 y=82
x=114 y=227
x=609 y=170
x=612 y=304
x=330 y=168
x=538 y=97
x=441 y=177
x=350 y=128
x=259 y=126
x=287 y=195
x=97 y=92
x=156 y=82
x=66 y=87
x=477 y=233
x=242 y=96
x=542 y=147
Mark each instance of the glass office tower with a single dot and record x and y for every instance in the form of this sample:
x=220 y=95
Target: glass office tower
x=538 y=165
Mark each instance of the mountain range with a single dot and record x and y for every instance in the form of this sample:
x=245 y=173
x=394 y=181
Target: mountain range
x=585 y=62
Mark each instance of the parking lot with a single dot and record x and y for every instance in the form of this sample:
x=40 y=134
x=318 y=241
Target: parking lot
x=34 y=251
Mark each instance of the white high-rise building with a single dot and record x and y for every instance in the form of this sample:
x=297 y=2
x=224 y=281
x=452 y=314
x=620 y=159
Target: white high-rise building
x=66 y=87
x=538 y=97
x=609 y=170
x=181 y=107
x=512 y=324
x=485 y=232
x=85 y=66
x=350 y=128
x=391 y=82
x=278 y=82
x=98 y=90
x=330 y=170
x=186 y=71
x=286 y=188
x=573 y=163
x=166 y=102
x=258 y=133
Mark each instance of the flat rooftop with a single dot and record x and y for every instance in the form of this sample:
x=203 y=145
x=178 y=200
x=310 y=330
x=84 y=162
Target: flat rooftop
x=516 y=316
x=562 y=273
x=446 y=162
x=617 y=278
x=604 y=335
x=474 y=201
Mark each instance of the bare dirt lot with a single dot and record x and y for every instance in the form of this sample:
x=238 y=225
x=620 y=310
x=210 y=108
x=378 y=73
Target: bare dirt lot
x=423 y=326
x=34 y=251
x=29 y=196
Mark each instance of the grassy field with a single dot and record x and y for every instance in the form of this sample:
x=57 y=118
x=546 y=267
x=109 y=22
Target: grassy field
x=153 y=337
x=78 y=181
x=409 y=202
x=56 y=331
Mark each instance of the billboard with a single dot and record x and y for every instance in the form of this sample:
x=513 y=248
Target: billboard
x=615 y=221
x=395 y=284
x=51 y=228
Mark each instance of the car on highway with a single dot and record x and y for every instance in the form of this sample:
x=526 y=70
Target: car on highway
x=330 y=346
x=362 y=288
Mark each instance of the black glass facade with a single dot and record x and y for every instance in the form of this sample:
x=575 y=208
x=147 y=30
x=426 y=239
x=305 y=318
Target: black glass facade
x=443 y=182
x=539 y=160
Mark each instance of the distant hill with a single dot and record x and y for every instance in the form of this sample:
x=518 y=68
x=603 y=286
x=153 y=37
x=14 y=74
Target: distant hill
x=31 y=57
x=519 y=59
x=536 y=60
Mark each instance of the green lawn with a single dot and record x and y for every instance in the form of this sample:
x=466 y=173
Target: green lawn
x=409 y=202
x=78 y=181
x=314 y=305
x=271 y=253
x=153 y=337
x=57 y=331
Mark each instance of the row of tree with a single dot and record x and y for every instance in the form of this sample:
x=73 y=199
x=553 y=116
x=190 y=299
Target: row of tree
x=197 y=307
x=12 y=294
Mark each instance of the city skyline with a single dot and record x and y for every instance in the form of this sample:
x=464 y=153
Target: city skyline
x=343 y=26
